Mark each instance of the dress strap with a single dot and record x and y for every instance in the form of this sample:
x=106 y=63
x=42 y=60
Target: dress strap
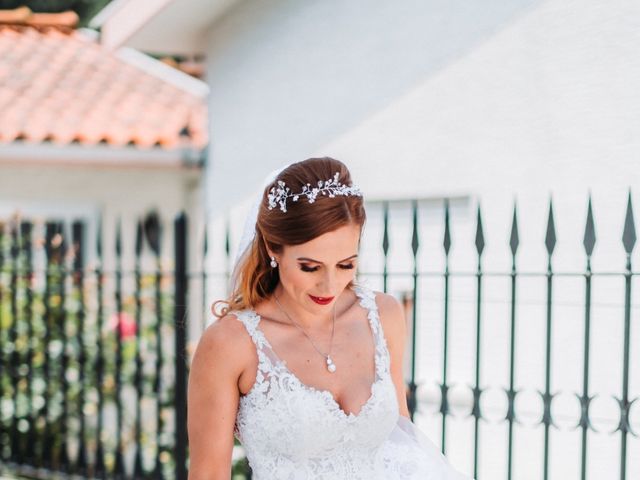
x=368 y=301
x=250 y=322
x=267 y=359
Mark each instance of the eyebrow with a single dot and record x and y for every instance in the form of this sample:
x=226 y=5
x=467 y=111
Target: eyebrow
x=316 y=261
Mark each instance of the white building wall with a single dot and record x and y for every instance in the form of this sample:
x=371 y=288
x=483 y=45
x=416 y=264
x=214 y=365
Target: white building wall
x=287 y=77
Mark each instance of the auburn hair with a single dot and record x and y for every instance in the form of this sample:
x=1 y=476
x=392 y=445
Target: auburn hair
x=255 y=279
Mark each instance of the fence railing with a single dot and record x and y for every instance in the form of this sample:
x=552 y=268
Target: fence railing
x=93 y=360
x=478 y=388
x=92 y=376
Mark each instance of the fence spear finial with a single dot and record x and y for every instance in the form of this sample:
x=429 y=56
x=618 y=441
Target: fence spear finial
x=629 y=233
x=514 y=239
x=550 y=238
x=479 y=233
x=589 y=239
x=446 y=243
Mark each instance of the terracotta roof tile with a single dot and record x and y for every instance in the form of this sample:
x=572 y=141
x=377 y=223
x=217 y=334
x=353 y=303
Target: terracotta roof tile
x=23 y=15
x=59 y=85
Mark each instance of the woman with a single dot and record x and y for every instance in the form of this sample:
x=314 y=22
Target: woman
x=305 y=365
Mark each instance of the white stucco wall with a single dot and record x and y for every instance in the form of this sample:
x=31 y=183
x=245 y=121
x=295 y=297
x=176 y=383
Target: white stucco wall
x=288 y=77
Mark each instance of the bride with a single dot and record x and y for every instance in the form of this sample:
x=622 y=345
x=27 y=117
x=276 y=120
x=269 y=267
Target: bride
x=304 y=364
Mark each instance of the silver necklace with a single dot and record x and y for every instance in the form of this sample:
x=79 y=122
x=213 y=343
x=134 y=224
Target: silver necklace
x=330 y=365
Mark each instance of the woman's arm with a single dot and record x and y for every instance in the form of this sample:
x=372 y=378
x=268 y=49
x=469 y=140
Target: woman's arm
x=395 y=331
x=212 y=398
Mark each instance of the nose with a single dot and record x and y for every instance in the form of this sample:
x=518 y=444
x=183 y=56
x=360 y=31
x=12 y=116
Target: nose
x=328 y=283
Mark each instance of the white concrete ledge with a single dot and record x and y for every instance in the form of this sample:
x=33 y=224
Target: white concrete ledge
x=98 y=155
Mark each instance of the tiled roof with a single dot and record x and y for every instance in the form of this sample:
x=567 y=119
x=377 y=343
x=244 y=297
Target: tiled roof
x=57 y=84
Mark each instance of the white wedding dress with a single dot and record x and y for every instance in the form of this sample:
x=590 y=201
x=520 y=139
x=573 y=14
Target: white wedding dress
x=291 y=431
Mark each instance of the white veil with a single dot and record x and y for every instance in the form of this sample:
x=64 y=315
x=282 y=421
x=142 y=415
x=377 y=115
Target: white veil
x=249 y=231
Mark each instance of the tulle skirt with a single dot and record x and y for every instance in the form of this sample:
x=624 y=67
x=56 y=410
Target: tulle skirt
x=408 y=454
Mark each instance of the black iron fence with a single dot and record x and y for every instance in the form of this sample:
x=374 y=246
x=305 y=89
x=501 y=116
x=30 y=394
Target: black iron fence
x=93 y=374
x=91 y=378
x=478 y=387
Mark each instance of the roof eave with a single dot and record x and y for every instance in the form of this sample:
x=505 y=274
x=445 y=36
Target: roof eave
x=159 y=26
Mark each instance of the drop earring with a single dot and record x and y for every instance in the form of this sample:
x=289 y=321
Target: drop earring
x=273 y=264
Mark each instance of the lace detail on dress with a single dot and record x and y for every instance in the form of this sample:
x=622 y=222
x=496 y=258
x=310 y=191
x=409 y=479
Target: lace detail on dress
x=293 y=431
x=368 y=301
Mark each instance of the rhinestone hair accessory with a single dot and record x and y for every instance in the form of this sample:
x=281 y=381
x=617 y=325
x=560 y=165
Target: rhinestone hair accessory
x=278 y=194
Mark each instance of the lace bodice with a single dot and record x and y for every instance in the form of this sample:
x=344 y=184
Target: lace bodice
x=290 y=430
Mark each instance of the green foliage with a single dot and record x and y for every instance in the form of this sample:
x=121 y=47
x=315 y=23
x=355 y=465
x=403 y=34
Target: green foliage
x=52 y=321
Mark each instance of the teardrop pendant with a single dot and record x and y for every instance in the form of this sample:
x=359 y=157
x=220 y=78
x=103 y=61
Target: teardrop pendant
x=330 y=365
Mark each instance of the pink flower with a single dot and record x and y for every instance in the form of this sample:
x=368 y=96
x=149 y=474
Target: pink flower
x=124 y=323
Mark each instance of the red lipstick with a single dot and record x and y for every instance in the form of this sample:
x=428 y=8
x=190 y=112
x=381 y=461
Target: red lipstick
x=321 y=300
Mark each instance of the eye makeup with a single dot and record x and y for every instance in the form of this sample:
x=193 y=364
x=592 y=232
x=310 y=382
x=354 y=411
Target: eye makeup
x=316 y=261
x=307 y=268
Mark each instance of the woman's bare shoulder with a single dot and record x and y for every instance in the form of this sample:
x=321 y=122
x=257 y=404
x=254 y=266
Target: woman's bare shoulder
x=388 y=304
x=225 y=343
